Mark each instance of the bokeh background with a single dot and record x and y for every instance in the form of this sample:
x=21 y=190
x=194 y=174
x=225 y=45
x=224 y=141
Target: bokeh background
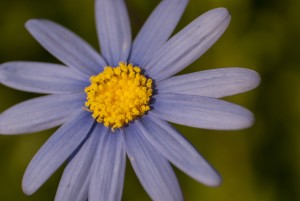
x=261 y=163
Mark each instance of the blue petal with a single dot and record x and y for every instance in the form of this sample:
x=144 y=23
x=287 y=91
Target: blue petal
x=56 y=150
x=40 y=113
x=41 y=77
x=156 y=30
x=114 y=32
x=188 y=45
x=108 y=169
x=178 y=150
x=201 y=112
x=66 y=46
x=153 y=170
x=75 y=180
x=211 y=83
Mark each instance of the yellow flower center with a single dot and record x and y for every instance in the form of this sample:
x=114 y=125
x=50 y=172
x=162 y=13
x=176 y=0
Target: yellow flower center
x=118 y=95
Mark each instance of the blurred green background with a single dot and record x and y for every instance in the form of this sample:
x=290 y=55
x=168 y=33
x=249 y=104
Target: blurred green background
x=257 y=164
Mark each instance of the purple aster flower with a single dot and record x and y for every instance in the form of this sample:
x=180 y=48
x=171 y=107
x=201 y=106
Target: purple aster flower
x=117 y=103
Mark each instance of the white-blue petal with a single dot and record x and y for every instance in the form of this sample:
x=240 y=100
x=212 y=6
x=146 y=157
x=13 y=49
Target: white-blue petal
x=40 y=113
x=41 y=78
x=153 y=170
x=156 y=30
x=201 y=112
x=114 y=31
x=188 y=45
x=56 y=150
x=108 y=169
x=66 y=46
x=74 y=184
x=211 y=83
x=178 y=150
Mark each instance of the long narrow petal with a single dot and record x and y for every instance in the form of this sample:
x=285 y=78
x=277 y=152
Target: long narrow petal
x=66 y=46
x=113 y=28
x=201 y=112
x=40 y=113
x=188 y=45
x=56 y=150
x=156 y=30
x=108 y=168
x=178 y=150
x=153 y=170
x=41 y=77
x=75 y=180
x=211 y=83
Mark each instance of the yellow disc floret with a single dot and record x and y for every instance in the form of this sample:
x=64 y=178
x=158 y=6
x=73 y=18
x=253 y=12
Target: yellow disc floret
x=118 y=95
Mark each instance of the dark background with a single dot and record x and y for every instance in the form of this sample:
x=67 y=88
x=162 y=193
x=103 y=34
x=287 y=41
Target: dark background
x=257 y=164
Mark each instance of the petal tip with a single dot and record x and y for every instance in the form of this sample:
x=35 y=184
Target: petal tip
x=222 y=13
x=32 y=23
x=251 y=120
x=213 y=179
x=245 y=121
x=216 y=182
x=256 y=79
x=29 y=23
x=251 y=78
x=26 y=187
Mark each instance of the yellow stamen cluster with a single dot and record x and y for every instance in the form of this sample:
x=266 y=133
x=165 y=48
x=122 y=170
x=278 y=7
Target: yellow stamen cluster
x=118 y=95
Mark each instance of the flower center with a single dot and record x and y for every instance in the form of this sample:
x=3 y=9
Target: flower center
x=118 y=95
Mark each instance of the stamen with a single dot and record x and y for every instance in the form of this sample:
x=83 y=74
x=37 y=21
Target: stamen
x=118 y=95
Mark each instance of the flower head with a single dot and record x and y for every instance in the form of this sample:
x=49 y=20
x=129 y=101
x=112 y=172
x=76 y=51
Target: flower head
x=117 y=103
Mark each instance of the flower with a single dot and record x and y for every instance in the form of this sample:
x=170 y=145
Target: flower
x=117 y=104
